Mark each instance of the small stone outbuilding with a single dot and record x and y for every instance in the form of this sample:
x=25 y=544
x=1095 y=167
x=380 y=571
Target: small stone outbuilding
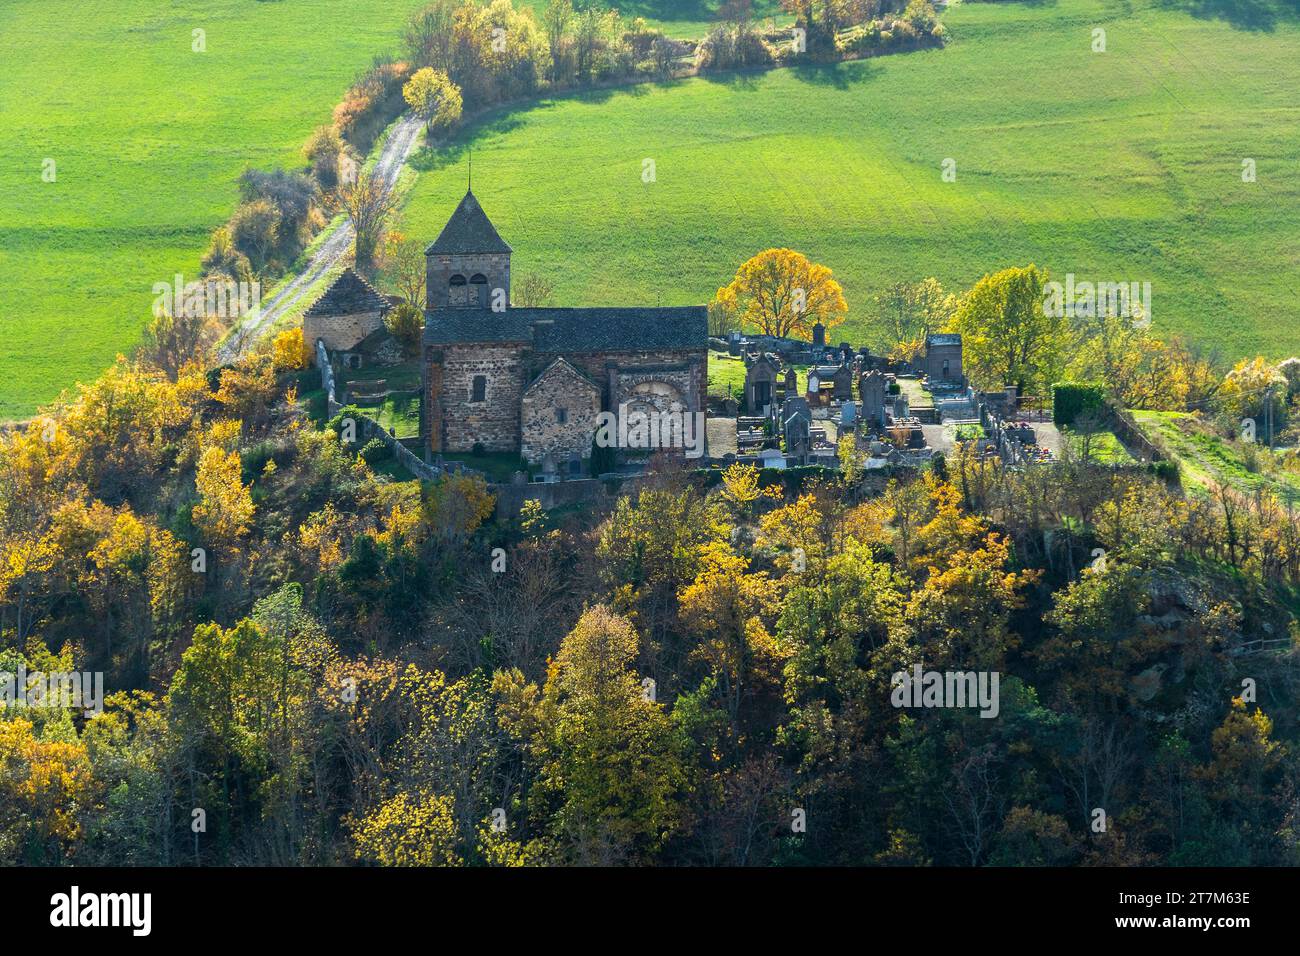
x=350 y=310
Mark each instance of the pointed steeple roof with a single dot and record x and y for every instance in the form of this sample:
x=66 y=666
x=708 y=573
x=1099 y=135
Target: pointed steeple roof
x=468 y=231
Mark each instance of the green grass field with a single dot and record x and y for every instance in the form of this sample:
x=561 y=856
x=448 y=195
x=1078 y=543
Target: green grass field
x=1102 y=447
x=1206 y=459
x=1118 y=165
x=147 y=138
x=726 y=376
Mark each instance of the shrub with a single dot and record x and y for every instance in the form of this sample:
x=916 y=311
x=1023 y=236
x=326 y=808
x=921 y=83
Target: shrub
x=294 y=196
x=375 y=451
x=223 y=259
x=640 y=39
x=920 y=16
x=904 y=33
x=727 y=49
x=1165 y=470
x=255 y=231
x=338 y=424
x=406 y=323
x=1250 y=457
x=371 y=103
x=432 y=95
x=662 y=55
x=865 y=40
x=324 y=150
x=1072 y=399
x=820 y=45
x=288 y=352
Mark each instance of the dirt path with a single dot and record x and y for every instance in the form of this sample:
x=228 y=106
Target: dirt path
x=397 y=150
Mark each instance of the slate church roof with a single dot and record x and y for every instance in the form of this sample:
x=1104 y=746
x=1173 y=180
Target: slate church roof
x=348 y=295
x=468 y=232
x=572 y=330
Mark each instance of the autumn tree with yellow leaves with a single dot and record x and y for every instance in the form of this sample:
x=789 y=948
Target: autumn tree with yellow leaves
x=780 y=292
x=225 y=508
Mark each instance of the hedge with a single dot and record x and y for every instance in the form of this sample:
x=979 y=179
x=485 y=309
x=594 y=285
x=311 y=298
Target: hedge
x=1072 y=399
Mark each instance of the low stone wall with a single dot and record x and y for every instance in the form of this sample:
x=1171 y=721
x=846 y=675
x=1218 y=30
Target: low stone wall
x=1128 y=432
x=556 y=494
x=409 y=460
x=327 y=377
x=368 y=428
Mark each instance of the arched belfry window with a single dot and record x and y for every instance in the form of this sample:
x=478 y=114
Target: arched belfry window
x=478 y=289
x=456 y=294
x=478 y=389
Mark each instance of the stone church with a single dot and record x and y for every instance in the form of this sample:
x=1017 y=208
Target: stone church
x=533 y=381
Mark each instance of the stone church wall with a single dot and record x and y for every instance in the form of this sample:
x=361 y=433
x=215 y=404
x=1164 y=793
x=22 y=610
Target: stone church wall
x=455 y=424
x=542 y=433
x=493 y=422
x=694 y=382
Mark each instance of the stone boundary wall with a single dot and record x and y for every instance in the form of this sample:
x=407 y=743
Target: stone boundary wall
x=368 y=428
x=1128 y=432
x=409 y=460
x=327 y=378
x=555 y=494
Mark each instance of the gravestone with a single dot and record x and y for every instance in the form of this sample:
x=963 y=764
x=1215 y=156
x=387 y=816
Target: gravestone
x=760 y=384
x=871 y=390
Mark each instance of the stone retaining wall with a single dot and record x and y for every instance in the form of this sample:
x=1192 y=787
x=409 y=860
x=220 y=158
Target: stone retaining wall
x=327 y=378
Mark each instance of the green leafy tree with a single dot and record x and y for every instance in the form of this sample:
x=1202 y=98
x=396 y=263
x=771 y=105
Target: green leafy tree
x=1007 y=338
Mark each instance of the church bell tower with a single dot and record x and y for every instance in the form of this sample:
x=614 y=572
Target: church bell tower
x=468 y=265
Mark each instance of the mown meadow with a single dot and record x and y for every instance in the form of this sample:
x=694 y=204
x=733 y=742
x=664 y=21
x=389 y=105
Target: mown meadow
x=1117 y=165
x=1125 y=164
x=147 y=137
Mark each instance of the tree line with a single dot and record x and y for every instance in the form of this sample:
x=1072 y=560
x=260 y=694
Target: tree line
x=309 y=662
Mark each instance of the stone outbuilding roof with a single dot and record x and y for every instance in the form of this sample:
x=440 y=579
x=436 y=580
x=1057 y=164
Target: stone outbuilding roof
x=942 y=338
x=572 y=330
x=468 y=231
x=348 y=295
